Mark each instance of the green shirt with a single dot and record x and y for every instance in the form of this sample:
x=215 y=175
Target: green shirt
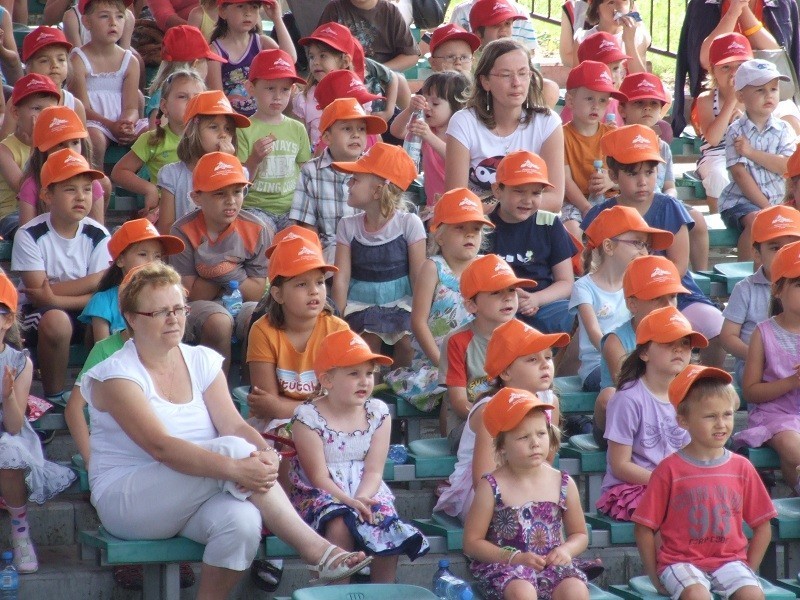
x=101 y=351
x=156 y=156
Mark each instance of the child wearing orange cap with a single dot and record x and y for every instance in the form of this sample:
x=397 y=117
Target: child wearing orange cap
x=56 y=127
x=61 y=256
x=457 y=231
x=27 y=476
x=640 y=422
x=222 y=244
x=613 y=240
x=509 y=562
x=748 y=305
x=535 y=243
x=632 y=155
x=770 y=371
x=489 y=288
x=209 y=126
x=792 y=197
x=699 y=556
x=342 y=440
x=379 y=251
x=649 y=282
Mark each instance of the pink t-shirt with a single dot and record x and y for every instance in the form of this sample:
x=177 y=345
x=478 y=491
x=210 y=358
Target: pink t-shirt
x=304 y=107
x=29 y=192
x=433 y=167
x=699 y=507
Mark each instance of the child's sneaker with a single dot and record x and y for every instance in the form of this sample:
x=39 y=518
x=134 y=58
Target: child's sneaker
x=25 y=560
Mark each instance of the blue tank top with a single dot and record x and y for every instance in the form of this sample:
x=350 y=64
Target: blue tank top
x=627 y=337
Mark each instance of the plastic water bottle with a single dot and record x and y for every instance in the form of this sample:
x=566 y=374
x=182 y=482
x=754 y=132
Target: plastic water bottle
x=398 y=454
x=9 y=579
x=232 y=301
x=439 y=585
x=413 y=143
x=597 y=165
x=457 y=589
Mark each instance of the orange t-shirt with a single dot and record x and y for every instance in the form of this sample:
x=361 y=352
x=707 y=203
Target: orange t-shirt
x=581 y=151
x=295 y=370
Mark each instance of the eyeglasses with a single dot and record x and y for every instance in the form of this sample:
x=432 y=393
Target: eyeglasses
x=638 y=244
x=452 y=59
x=178 y=311
x=510 y=75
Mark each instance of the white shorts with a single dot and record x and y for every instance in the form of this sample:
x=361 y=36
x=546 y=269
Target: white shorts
x=725 y=581
x=714 y=174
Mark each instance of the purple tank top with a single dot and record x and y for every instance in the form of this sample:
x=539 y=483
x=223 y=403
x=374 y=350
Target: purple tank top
x=234 y=74
x=781 y=350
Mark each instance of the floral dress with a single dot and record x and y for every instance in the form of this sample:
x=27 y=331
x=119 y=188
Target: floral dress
x=419 y=384
x=533 y=527
x=344 y=455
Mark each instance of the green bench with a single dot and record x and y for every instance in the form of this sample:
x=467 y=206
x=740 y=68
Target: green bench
x=685 y=145
x=763 y=457
x=791 y=585
x=692 y=182
x=572 y=399
x=719 y=236
x=619 y=532
x=365 y=591
x=431 y=458
x=587 y=463
x=641 y=588
x=731 y=273
x=449 y=528
x=702 y=281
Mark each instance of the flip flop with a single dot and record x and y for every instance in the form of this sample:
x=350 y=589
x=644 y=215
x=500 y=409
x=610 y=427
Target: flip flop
x=327 y=573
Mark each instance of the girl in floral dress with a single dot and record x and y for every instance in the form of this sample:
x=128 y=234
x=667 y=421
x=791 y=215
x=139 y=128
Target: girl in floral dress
x=513 y=532
x=342 y=440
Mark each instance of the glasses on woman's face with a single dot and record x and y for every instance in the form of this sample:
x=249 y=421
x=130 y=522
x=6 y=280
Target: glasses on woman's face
x=638 y=244
x=509 y=76
x=454 y=59
x=164 y=313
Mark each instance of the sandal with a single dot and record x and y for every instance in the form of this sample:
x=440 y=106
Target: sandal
x=327 y=573
x=265 y=575
x=25 y=560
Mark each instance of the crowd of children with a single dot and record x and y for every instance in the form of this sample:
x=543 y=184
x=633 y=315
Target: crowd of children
x=540 y=249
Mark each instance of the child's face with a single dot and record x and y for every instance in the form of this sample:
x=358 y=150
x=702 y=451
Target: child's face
x=174 y=105
x=724 y=74
x=760 y=100
x=793 y=189
x=709 y=421
x=52 y=62
x=630 y=245
x=517 y=203
x=242 y=17
x=140 y=253
x=789 y=295
x=438 y=114
x=607 y=9
x=71 y=144
x=460 y=241
x=272 y=95
x=303 y=296
x=528 y=444
x=346 y=139
x=364 y=4
x=766 y=251
x=70 y=200
x=636 y=186
x=496 y=32
x=618 y=72
x=322 y=60
x=106 y=23
x=453 y=55
x=216 y=133
x=220 y=207
x=28 y=111
x=588 y=106
x=641 y=308
x=668 y=359
x=533 y=372
x=350 y=385
x=494 y=307
x=641 y=112
x=363 y=189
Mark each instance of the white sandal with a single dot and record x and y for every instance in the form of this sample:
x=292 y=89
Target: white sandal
x=327 y=573
x=25 y=560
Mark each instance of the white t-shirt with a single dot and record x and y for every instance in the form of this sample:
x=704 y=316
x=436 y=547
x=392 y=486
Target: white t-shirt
x=114 y=454
x=486 y=149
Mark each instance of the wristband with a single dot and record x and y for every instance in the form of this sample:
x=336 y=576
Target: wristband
x=513 y=554
x=754 y=29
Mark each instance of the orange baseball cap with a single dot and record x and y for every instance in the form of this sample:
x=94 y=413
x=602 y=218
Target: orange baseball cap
x=459 y=205
x=729 y=47
x=594 y=76
x=349 y=109
x=31 y=84
x=793 y=165
x=217 y=170
x=65 y=164
x=514 y=339
x=342 y=84
x=332 y=34
x=56 y=124
x=450 y=32
x=631 y=144
x=614 y=221
x=508 y=407
x=522 y=167
x=213 y=102
x=344 y=348
x=8 y=293
x=666 y=325
x=491 y=12
x=602 y=47
x=274 y=64
x=683 y=382
x=786 y=262
x=41 y=37
x=139 y=230
x=292 y=257
x=185 y=43
x=649 y=277
x=490 y=273
x=775 y=221
x=643 y=86
x=385 y=161
x=293 y=232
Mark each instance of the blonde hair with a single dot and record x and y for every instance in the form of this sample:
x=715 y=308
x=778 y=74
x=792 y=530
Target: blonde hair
x=166 y=85
x=190 y=146
x=553 y=434
x=791 y=182
x=705 y=388
x=345 y=63
x=434 y=247
x=391 y=199
x=155 y=274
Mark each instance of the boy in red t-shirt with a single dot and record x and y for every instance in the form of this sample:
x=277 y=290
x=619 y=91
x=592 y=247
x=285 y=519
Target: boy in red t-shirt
x=712 y=490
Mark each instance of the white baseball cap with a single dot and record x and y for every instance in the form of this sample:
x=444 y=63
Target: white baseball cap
x=756 y=72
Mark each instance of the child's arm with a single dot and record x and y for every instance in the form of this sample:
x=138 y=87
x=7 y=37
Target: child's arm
x=253 y=288
x=622 y=465
x=130 y=102
x=200 y=288
x=714 y=127
x=27 y=211
x=401 y=62
x=15 y=397
x=575 y=528
x=762 y=536
x=12 y=67
x=166 y=211
x=730 y=340
x=590 y=324
x=483 y=453
x=458 y=400
x=754 y=389
x=646 y=542
x=772 y=162
x=748 y=185
x=72 y=29
x=372 y=477
x=195 y=17
x=262 y=147
x=76 y=422
x=127 y=31
x=421 y=310
x=341 y=279
x=573 y=194
x=678 y=253
x=636 y=63
x=285 y=43
x=614 y=354
x=214 y=77
x=67 y=295
x=125 y=174
x=265 y=399
x=9 y=169
x=101 y=329
x=416 y=257
x=552 y=152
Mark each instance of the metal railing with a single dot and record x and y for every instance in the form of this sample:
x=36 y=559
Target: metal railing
x=665 y=33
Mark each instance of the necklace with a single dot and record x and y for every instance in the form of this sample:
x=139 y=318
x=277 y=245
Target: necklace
x=166 y=393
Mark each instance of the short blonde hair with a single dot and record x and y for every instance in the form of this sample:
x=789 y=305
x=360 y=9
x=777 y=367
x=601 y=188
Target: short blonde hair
x=155 y=274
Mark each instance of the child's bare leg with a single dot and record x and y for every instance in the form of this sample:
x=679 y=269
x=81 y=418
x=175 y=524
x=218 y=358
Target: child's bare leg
x=745 y=246
x=55 y=333
x=403 y=352
x=695 y=592
x=337 y=533
x=571 y=588
x=600 y=407
x=713 y=205
x=99 y=146
x=748 y=592
x=787 y=445
x=519 y=589
x=383 y=569
x=12 y=487
x=698 y=242
x=373 y=341
x=216 y=334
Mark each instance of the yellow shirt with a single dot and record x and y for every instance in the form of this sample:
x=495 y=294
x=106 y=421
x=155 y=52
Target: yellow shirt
x=21 y=152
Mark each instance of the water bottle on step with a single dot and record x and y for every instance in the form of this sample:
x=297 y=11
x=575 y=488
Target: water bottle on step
x=438 y=586
x=9 y=578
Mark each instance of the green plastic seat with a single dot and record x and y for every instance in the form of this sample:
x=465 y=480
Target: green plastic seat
x=369 y=591
x=786 y=526
x=642 y=587
x=239 y=395
x=719 y=236
x=79 y=466
x=116 y=551
x=620 y=532
x=432 y=457
x=441 y=524
x=762 y=458
x=733 y=273
x=572 y=398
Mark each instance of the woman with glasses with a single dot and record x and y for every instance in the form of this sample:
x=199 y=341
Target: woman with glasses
x=172 y=456
x=505 y=112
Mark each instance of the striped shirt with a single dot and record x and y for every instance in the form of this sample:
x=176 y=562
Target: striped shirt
x=521 y=30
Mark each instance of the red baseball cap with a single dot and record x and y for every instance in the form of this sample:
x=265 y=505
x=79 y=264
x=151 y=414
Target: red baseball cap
x=729 y=47
x=185 y=43
x=344 y=348
x=602 y=47
x=385 y=161
x=520 y=168
x=139 y=230
x=491 y=12
x=680 y=386
x=342 y=84
x=451 y=31
x=594 y=76
x=274 y=64
x=333 y=34
x=31 y=84
x=643 y=86
x=490 y=273
x=82 y=4
x=217 y=170
x=41 y=37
